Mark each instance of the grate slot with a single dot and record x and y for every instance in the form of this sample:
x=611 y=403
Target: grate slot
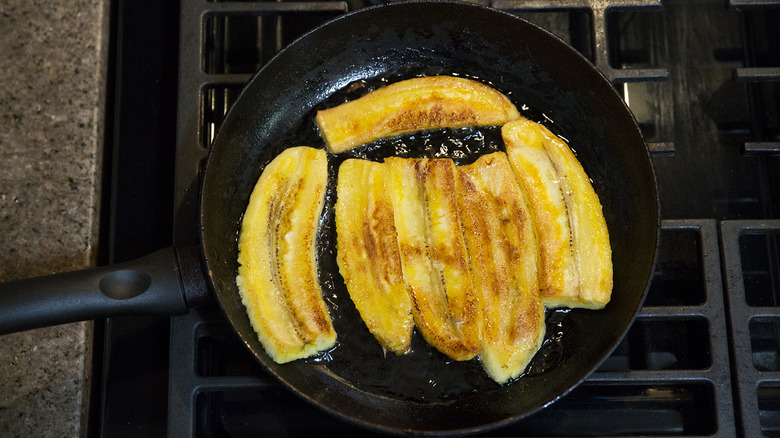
x=636 y=39
x=663 y=344
x=219 y=353
x=574 y=26
x=678 y=279
x=765 y=343
x=216 y=101
x=628 y=410
x=277 y=413
x=760 y=270
x=769 y=409
x=750 y=254
x=650 y=103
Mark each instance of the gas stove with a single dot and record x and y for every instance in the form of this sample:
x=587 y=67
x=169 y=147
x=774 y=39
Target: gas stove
x=703 y=80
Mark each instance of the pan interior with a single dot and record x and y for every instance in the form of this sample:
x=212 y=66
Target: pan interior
x=426 y=392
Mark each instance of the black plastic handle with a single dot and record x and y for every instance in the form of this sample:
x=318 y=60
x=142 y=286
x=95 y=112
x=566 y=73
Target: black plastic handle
x=148 y=285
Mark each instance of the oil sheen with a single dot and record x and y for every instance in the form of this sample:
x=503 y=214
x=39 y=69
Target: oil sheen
x=424 y=374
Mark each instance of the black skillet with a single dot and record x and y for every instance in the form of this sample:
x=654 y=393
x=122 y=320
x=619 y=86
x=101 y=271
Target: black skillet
x=423 y=392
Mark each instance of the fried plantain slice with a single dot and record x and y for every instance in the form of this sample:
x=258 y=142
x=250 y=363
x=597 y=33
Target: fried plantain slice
x=559 y=276
x=277 y=273
x=433 y=255
x=367 y=253
x=504 y=262
x=413 y=105
x=574 y=240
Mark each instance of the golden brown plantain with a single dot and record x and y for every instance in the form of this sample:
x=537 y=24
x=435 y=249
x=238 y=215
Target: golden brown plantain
x=413 y=105
x=504 y=262
x=558 y=277
x=367 y=253
x=277 y=273
x=433 y=255
x=576 y=271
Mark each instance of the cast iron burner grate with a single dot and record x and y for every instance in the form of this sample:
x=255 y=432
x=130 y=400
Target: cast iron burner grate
x=671 y=375
x=751 y=262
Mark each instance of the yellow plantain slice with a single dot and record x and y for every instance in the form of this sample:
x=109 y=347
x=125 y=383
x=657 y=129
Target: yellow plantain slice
x=367 y=253
x=433 y=255
x=574 y=241
x=277 y=274
x=413 y=105
x=559 y=277
x=504 y=261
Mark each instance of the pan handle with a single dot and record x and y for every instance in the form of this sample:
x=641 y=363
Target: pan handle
x=149 y=285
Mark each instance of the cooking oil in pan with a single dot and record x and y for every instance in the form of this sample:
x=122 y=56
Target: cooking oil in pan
x=424 y=374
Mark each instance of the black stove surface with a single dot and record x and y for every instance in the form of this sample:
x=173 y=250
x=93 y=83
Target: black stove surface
x=703 y=80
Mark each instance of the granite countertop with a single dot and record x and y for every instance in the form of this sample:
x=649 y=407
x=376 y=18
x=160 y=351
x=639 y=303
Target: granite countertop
x=52 y=87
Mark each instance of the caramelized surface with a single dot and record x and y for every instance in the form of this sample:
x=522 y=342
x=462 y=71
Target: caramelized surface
x=277 y=274
x=433 y=255
x=542 y=160
x=367 y=253
x=413 y=105
x=504 y=261
x=559 y=275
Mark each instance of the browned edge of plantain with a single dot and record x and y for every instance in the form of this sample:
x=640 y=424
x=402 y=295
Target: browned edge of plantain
x=412 y=105
x=574 y=240
x=277 y=274
x=504 y=259
x=433 y=255
x=368 y=255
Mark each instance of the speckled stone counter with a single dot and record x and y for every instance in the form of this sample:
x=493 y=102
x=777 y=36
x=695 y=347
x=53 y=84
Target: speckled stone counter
x=52 y=70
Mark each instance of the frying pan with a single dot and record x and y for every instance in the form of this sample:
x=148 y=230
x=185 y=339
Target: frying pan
x=423 y=392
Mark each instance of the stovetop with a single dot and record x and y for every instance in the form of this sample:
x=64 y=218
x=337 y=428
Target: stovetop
x=703 y=80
